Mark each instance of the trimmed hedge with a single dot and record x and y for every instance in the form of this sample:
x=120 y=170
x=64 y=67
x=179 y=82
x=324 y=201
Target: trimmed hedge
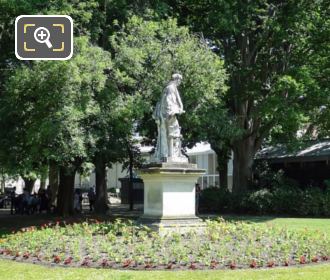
x=284 y=200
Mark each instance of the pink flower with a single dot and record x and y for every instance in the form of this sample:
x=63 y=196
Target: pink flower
x=302 y=260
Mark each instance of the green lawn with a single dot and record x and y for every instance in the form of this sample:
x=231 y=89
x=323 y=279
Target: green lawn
x=290 y=223
x=11 y=270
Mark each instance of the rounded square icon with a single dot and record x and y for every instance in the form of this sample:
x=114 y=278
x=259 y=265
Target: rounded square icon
x=43 y=37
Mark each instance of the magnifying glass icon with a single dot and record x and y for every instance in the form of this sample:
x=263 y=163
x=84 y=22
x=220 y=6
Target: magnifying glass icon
x=41 y=35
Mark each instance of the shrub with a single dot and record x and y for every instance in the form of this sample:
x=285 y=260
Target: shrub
x=284 y=200
x=266 y=177
x=236 y=203
x=326 y=202
x=259 y=202
x=311 y=202
x=327 y=183
x=214 y=199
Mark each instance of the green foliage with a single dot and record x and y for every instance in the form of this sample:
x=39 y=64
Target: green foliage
x=279 y=200
x=287 y=200
x=47 y=107
x=147 y=53
x=259 y=202
x=86 y=108
x=276 y=55
x=263 y=59
x=266 y=177
x=215 y=198
x=125 y=245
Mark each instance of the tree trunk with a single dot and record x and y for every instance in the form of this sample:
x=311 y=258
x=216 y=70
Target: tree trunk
x=43 y=181
x=53 y=181
x=29 y=183
x=244 y=151
x=3 y=183
x=65 y=195
x=101 y=203
x=223 y=174
x=223 y=156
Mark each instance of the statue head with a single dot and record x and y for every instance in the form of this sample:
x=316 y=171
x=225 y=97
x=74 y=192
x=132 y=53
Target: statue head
x=177 y=78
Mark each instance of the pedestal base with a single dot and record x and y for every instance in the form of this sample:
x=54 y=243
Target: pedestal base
x=165 y=225
x=169 y=196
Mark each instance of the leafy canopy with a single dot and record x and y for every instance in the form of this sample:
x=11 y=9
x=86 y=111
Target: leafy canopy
x=147 y=53
x=46 y=108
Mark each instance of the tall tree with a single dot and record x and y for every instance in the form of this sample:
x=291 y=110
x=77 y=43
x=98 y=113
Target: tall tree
x=147 y=53
x=265 y=45
x=46 y=112
x=110 y=126
x=84 y=14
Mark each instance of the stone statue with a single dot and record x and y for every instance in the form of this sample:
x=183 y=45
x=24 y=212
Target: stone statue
x=168 y=147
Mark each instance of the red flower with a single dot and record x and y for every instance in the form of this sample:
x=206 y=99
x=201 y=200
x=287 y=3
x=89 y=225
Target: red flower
x=302 y=260
x=7 y=252
x=104 y=263
x=85 y=262
x=127 y=263
x=253 y=264
x=315 y=259
x=192 y=266
x=68 y=260
x=147 y=265
x=213 y=264
x=57 y=259
x=270 y=264
x=232 y=265
x=169 y=265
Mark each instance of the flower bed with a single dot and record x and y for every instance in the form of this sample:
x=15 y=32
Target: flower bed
x=123 y=245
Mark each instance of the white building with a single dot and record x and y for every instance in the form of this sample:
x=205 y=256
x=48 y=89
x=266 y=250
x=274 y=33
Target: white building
x=206 y=158
x=201 y=154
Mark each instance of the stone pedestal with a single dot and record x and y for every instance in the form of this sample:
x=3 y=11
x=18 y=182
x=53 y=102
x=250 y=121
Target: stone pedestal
x=169 y=195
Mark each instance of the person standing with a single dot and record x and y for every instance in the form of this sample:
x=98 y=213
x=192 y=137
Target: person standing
x=13 y=200
x=77 y=201
x=26 y=202
x=91 y=198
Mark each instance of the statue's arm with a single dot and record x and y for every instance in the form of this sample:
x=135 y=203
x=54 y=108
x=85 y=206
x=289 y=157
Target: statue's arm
x=178 y=97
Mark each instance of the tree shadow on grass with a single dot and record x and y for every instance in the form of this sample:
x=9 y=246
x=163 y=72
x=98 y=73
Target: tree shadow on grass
x=10 y=223
x=13 y=223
